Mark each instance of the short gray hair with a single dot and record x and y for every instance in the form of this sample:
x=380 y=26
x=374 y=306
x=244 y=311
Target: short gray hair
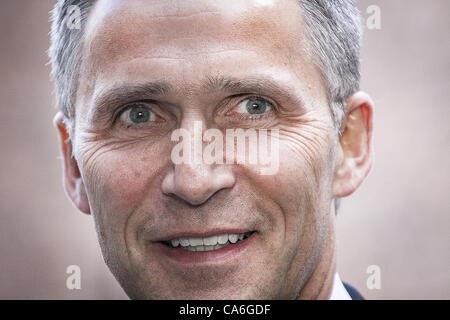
x=333 y=29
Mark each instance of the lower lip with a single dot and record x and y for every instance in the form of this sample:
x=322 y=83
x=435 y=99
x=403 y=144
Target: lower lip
x=198 y=257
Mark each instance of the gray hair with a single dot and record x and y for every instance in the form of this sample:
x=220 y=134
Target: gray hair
x=333 y=28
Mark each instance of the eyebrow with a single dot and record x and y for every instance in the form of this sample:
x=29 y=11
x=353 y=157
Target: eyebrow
x=253 y=84
x=123 y=94
x=117 y=96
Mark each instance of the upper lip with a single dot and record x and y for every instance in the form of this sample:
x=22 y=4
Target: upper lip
x=202 y=234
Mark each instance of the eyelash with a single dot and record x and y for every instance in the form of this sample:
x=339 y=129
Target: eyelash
x=254 y=117
x=127 y=107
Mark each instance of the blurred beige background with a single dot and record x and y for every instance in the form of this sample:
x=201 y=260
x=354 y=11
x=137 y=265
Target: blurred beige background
x=398 y=220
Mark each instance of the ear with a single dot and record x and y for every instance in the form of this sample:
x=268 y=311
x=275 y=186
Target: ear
x=354 y=151
x=72 y=180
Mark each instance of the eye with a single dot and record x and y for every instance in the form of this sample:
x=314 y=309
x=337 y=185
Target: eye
x=137 y=114
x=254 y=106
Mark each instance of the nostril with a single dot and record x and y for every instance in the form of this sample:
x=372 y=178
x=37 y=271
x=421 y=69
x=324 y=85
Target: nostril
x=196 y=184
x=194 y=197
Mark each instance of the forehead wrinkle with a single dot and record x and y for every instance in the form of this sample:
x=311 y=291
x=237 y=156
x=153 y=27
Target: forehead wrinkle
x=118 y=27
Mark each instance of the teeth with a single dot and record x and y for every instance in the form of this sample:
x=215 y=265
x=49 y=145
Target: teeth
x=208 y=243
x=184 y=242
x=175 y=242
x=222 y=239
x=233 y=238
x=218 y=246
x=196 y=242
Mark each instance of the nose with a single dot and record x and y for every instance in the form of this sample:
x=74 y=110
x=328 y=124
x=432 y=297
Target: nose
x=196 y=183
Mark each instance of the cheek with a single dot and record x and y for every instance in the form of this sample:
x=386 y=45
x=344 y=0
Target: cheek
x=292 y=188
x=125 y=181
x=119 y=180
x=299 y=188
x=303 y=171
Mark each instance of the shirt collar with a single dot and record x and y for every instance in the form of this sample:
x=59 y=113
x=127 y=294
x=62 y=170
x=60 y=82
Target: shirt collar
x=338 y=292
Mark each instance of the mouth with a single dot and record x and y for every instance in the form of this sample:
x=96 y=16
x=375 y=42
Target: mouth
x=219 y=248
x=210 y=243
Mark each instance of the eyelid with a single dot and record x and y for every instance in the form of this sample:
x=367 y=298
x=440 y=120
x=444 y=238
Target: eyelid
x=129 y=105
x=272 y=104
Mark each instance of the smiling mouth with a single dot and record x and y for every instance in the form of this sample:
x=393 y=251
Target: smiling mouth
x=211 y=243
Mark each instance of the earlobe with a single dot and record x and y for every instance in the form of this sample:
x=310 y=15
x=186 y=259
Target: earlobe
x=72 y=180
x=354 y=152
x=81 y=201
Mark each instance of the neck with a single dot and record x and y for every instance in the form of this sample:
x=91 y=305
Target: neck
x=320 y=284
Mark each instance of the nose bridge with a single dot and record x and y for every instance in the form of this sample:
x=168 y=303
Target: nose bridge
x=193 y=173
x=193 y=123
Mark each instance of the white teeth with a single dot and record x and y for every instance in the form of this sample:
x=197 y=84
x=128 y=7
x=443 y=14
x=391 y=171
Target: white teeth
x=219 y=246
x=175 y=242
x=184 y=242
x=233 y=238
x=208 y=243
x=196 y=242
x=222 y=239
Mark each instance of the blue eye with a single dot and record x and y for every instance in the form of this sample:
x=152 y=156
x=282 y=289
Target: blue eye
x=137 y=114
x=254 y=106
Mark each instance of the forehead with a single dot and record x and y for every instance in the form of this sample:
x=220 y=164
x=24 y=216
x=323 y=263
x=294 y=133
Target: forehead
x=177 y=28
x=185 y=42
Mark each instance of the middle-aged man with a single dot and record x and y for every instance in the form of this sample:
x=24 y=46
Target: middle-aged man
x=129 y=73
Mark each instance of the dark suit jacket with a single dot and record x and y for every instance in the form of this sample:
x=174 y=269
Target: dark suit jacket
x=354 y=294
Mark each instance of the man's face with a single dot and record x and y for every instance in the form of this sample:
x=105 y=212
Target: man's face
x=150 y=67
